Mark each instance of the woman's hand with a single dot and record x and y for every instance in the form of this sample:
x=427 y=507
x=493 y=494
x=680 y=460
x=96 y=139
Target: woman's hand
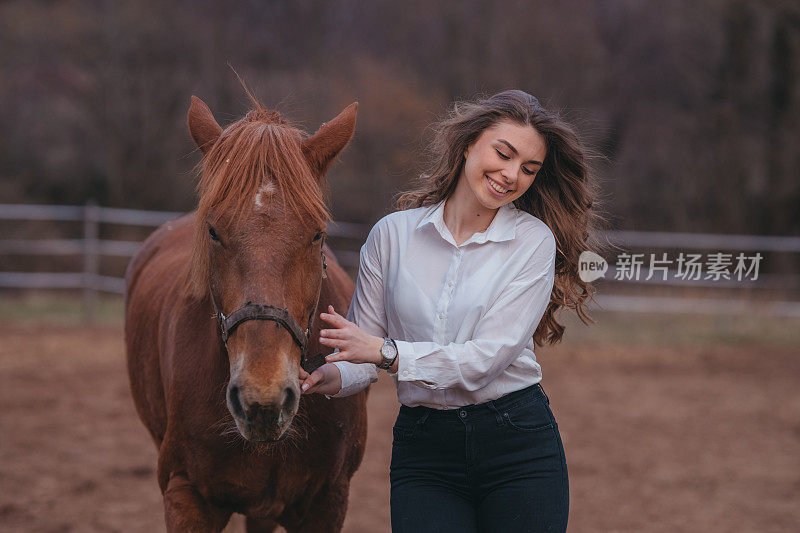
x=354 y=344
x=325 y=380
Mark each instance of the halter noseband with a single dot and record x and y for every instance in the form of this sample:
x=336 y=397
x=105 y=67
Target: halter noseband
x=281 y=316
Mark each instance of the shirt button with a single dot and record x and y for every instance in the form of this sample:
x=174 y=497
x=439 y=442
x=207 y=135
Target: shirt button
x=463 y=413
x=450 y=284
x=441 y=315
x=405 y=372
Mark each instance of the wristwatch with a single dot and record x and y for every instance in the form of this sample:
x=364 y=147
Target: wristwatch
x=388 y=353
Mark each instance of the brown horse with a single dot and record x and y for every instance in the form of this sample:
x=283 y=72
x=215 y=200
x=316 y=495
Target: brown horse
x=223 y=405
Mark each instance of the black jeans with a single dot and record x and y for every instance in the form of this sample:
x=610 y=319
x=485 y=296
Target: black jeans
x=495 y=466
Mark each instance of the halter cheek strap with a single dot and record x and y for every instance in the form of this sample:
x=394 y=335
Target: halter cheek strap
x=281 y=316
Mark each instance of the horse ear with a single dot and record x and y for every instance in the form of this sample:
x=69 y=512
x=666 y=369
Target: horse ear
x=321 y=148
x=204 y=129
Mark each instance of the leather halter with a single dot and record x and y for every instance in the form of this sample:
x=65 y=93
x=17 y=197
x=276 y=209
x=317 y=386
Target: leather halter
x=281 y=316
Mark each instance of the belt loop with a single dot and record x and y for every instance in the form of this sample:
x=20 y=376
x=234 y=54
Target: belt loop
x=497 y=414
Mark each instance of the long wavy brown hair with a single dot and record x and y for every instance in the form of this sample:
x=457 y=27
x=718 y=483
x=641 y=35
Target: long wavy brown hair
x=562 y=195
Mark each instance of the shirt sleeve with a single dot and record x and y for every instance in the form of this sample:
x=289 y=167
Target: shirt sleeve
x=500 y=336
x=367 y=311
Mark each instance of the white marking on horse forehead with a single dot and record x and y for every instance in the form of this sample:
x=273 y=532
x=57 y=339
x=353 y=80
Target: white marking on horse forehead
x=268 y=189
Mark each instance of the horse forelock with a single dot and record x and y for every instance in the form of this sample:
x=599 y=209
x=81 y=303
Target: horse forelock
x=259 y=152
x=262 y=114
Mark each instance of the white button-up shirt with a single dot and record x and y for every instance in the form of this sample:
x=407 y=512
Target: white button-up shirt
x=463 y=317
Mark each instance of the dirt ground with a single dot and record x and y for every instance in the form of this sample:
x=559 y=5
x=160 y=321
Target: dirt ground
x=661 y=438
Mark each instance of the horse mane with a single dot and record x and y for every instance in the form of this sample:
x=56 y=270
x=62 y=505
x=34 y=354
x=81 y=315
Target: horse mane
x=262 y=146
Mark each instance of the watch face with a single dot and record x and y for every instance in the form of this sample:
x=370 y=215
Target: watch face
x=388 y=350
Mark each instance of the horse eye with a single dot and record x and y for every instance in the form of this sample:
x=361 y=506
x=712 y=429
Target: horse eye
x=214 y=236
x=319 y=236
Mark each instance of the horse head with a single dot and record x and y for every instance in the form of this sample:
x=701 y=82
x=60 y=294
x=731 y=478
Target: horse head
x=258 y=238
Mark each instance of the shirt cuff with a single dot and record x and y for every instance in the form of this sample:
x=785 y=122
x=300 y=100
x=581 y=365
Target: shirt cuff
x=406 y=367
x=355 y=377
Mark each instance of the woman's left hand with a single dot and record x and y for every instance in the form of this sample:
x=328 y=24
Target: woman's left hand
x=354 y=344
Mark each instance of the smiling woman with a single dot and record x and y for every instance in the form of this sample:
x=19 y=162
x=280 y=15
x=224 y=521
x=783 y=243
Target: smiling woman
x=454 y=292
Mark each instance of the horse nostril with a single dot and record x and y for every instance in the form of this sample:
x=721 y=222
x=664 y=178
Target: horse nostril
x=288 y=399
x=236 y=403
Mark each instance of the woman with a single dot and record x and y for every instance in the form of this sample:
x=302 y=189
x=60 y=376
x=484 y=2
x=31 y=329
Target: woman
x=453 y=292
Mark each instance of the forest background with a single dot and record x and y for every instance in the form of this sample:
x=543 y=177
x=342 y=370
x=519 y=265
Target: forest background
x=693 y=105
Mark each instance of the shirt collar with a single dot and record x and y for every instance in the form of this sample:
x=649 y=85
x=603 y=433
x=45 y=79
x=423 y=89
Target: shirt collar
x=502 y=228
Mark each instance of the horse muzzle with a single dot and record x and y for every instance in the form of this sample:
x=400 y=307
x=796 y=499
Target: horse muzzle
x=263 y=418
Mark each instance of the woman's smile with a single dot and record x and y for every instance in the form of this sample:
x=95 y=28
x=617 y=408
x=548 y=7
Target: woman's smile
x=495 y=189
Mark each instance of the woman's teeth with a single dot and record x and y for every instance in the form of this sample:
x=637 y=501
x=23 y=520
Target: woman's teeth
x=495 y=187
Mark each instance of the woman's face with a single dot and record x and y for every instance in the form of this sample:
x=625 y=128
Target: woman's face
x=502 y=163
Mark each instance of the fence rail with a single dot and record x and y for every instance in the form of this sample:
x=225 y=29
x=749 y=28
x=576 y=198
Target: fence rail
x=91 y=248
x=66 y=247
x=62 y=280
x=704 y=241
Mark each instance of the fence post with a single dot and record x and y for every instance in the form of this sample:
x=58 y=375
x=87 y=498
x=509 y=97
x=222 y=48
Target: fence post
x=91 y=231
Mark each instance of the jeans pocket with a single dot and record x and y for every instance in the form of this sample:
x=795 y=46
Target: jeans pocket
x=406 y=427
x=532 y=415
x=401 y=435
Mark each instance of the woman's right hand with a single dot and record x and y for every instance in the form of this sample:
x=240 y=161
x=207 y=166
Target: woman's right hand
x=325 y=380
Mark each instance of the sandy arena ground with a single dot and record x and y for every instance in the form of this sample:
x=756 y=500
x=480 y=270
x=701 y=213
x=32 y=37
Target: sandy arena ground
x=664 y=438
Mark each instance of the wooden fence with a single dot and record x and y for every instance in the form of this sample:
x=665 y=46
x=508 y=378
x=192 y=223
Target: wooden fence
x=92 y=248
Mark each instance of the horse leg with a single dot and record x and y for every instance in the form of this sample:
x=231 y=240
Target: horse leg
x=326 y=513
x=186 y=510
x=260 y=526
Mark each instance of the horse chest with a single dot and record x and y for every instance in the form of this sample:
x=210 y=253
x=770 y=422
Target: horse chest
x=262 y=496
